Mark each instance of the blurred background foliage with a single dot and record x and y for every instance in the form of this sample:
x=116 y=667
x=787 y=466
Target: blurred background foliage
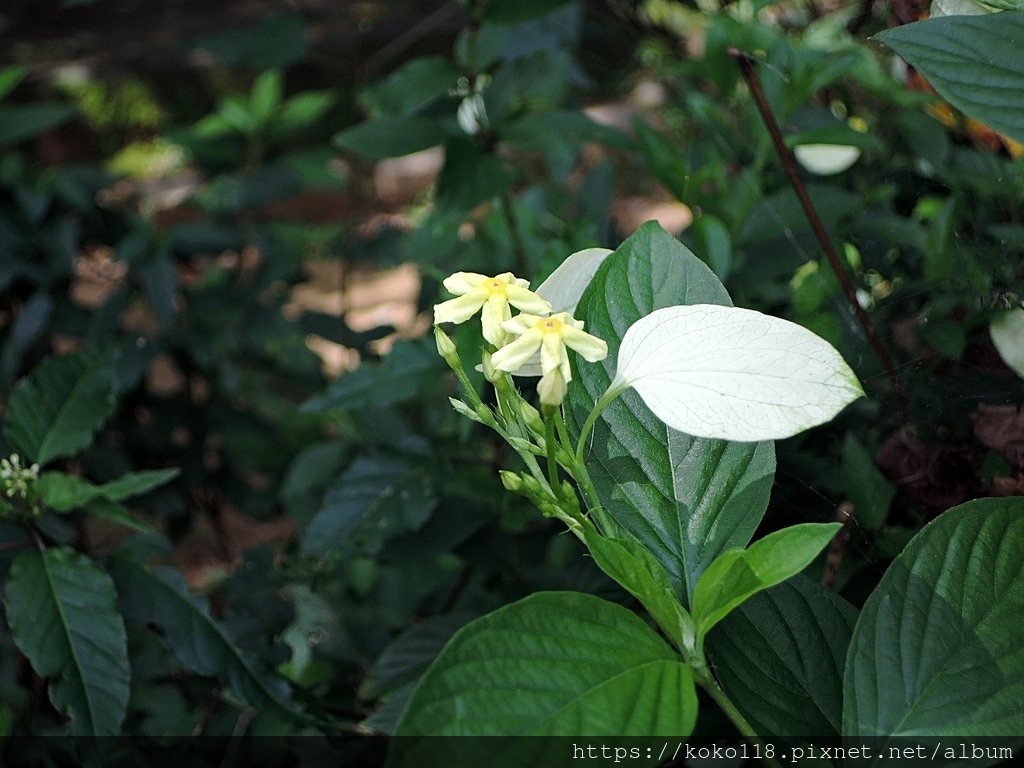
x=252 y=204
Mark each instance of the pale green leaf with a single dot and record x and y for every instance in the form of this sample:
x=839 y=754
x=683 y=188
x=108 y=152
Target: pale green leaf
x=738 y=574
x=733 y=374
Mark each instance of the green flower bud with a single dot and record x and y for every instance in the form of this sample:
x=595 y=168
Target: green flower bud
x=446 y=347
x=511 y=480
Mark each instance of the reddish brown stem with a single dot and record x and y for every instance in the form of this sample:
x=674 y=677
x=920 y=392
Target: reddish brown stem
x=746 y=64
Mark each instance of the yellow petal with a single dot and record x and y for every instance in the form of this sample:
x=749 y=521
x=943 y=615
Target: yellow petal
x=589 y=347
x=495 y=312
x=461 y=309
x=464 y=282
x=514 y=354
x=527 y=300
x=520 y=324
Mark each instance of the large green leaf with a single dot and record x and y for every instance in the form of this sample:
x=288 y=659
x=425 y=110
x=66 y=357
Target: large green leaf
x=780 y=657
x=56 y=409
x=685 y=499
x=939 y=648
x=62 y=610
x=974 y=62
x=160 y=596
x=554 y=663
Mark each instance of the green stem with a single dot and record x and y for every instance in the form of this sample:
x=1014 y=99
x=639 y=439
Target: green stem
x=602 y=403
x=550 y=446
x=704 y=679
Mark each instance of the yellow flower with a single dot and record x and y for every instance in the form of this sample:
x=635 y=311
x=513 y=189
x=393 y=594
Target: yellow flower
x=493 y=295
x=551 y=335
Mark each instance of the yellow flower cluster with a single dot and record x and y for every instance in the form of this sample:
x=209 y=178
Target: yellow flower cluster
x=518 y=339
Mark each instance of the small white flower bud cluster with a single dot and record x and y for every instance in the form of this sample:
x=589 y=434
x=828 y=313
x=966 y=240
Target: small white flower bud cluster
x=16 y=479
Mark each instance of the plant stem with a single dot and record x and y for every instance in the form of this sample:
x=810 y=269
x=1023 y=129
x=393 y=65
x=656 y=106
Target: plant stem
x=602 y=403
x=746 y=65
x=704 y=679
x=550 y=446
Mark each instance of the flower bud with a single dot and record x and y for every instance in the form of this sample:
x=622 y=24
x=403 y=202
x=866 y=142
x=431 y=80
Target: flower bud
x=511 y=480
x=446 y=347
x=531 y=417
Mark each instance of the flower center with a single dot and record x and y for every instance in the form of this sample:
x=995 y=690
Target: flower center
x=551 y=325
x=496 y=286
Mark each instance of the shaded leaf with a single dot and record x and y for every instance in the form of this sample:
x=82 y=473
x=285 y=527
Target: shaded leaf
x=937 y=649
x=780 y=656
x=160 y=596
x=974 y=62
x=55 y=411
x=62 y=610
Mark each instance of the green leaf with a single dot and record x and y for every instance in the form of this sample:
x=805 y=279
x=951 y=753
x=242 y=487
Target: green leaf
x=376 y=498
x=664 y=159
x=62 y=610
x=407 y=657
x=974 y=63
x=738 y=574
x=160 y=596
x=301 y=111
x=10 y=77
x=780 y=658
x=645 y=578
x=112 y=512
x=266 y=95
x=412 y=86
x=937 y=649
x=867 y=488
x=23 y=122
x=63 y=492
x=55 y=411
x=684 y=499
x=939 y=258
x=391 y=137
x=554 y=663
x=713 y=244
x=137 y=483
x=516 y=11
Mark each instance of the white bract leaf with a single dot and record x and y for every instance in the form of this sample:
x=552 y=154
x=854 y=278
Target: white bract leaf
x=733 y=374
x=826 y=159
x=566 y=284
x=1007 y=332
x=564 y=287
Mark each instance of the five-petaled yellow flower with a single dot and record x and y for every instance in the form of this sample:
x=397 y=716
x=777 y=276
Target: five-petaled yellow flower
x=493 y=295
x=551 y=335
